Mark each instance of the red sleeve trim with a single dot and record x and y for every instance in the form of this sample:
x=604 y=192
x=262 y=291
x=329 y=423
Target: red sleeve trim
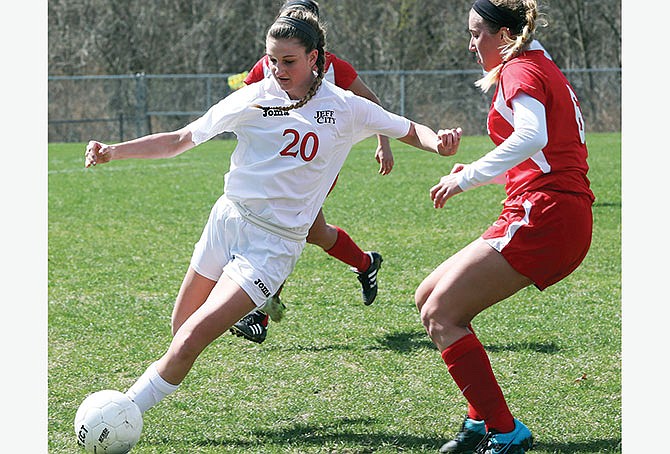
x=345 y=74
x=257 y=73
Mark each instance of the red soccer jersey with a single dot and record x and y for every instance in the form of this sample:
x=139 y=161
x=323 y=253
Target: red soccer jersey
x=337 y=71
x=561 y=165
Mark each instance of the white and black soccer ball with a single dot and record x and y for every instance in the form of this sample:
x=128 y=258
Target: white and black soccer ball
x=108 y=422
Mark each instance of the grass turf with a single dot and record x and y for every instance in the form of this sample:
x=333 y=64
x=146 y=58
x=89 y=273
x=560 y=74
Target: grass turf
x=334 y=376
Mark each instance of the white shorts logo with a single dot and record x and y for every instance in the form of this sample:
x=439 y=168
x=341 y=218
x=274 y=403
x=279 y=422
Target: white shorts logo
x=258 y=283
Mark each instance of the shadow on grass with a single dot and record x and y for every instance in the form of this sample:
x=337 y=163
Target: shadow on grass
x=599 y=446
x=538 y=347
x=347 y=435
x=408 y=341
x=317 y=348
x=400 y=342
x=415 y=340
x=341 y=435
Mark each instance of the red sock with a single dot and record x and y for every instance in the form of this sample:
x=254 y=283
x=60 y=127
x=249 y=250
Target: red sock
x=345 y=250
x=472 y=412
x=470 y=368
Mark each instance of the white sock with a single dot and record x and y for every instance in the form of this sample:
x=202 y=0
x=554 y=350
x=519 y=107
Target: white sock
x=150 y=389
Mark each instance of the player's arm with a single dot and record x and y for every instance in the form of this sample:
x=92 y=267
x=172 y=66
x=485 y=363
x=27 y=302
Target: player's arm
x=529 y=136
x=359 y=88
x=153 y=146
x=444 y=143
x=383 y=154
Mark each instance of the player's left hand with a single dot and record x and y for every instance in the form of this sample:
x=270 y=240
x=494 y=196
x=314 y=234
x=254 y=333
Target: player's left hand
x=446 y=188
x=385 y=160
x=448 y=141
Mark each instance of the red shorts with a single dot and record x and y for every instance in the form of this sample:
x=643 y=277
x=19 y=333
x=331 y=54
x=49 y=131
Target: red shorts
x=543 y=235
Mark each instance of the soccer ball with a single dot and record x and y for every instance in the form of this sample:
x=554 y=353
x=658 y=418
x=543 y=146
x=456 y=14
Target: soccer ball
x=108 y=422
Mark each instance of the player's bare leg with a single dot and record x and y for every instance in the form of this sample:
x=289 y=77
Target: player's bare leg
x=321 y=233
x=225 y=305
x=194 y=291
x=473 y=279
x=446 y=299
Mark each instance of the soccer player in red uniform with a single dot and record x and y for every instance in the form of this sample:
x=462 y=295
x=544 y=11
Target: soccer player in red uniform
x=544 y=230
x=334 y=240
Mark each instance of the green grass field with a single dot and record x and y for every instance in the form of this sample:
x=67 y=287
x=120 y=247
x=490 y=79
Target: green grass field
x=334 y=376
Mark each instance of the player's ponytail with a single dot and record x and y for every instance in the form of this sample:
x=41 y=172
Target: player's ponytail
x=521 y=18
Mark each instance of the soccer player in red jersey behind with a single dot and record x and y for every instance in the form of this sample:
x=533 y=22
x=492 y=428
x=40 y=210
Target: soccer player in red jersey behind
x=544 y=230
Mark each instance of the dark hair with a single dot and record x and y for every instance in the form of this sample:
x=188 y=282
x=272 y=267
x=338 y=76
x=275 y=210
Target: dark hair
x=309 y=5
x=304 y=26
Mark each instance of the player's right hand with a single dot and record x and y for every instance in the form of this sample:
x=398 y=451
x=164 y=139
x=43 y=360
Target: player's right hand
x=96 y=153
x=448 y=141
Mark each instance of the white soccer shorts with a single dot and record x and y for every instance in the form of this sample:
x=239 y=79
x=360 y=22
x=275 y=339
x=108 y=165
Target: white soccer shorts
x=257 y=260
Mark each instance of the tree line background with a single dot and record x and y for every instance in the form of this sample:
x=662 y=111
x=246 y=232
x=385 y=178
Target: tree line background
x=207 y=36
x=124 y=37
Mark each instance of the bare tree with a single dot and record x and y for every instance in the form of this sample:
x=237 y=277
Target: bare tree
x=204 y=36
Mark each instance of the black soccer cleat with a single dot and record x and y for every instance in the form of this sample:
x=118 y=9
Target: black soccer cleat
x=467 y=439
x=253 y=327
x=368 y=278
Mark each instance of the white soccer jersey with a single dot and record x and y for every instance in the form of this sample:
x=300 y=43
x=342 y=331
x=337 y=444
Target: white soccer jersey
x=285 y=162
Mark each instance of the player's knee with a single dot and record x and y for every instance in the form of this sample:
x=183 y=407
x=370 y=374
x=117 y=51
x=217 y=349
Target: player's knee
x=421 y=295
x=429 y=317
x=312 y=239
x=436 y=320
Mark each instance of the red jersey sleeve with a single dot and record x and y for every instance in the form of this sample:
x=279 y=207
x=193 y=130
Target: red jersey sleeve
x=257 y=73
x=345 y=74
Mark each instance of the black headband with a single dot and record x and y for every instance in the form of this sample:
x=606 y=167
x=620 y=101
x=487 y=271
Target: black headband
x=307 y=4
x=301 y=25
x=500 y=16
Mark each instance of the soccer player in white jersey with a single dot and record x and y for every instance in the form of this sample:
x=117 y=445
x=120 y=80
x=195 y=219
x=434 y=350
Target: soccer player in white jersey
x=544 y=230
x=294 y=132
x=333 y=239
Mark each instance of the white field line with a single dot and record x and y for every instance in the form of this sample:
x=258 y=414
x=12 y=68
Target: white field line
x=124 y=168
